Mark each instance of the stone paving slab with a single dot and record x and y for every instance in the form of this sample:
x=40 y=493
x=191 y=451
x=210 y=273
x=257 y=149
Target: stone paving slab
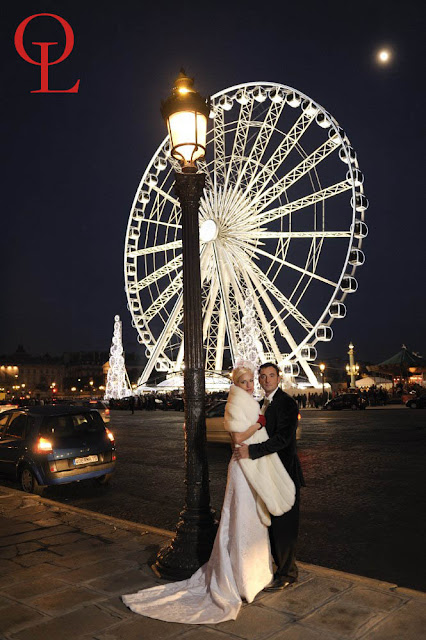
x=16 y=616
x=28 y=589
x=301 y=600
x=121 y=583
x=68 y=598
x=144 y=629
x=63 y=574
x=85 y=621
x=35 y=558
x=27 y=574
x=99 y=569
x=254 y=623
x=408 y=622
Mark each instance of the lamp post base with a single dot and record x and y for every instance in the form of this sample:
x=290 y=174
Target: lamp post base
x=189 y=549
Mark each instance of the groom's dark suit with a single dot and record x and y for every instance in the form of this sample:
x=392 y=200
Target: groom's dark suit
x=281 y=425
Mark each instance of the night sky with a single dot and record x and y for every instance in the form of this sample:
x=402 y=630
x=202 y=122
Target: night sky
x=72 y=162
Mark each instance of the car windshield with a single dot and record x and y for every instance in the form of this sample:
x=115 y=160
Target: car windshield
x=217 y=411
x=72 y=425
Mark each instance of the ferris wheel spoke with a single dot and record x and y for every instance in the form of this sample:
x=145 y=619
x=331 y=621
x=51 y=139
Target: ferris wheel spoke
x=164 y=298
x=166 y=335
x=310 y=274
x=267 y=333
x=219 y=150
x=181 y=353
x=263 y=235
x=171 y=266
x=210 y=325
x=176 y=244
x=175 y=164
x=284 y=331
x=203 y=168
x=301 y=203
x=165 y=195
x=261 y=178
x=236 y=296
x=174 y=323
x=263 y=199
x=280 y=297
x=276 y=316
x=208 y=309
x=267 y=128
x=240 y=141
x=140 y=218
x=224 y=283
x=221 y=332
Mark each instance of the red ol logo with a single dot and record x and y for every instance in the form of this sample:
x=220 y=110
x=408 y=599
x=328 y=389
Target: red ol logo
x=44 y=52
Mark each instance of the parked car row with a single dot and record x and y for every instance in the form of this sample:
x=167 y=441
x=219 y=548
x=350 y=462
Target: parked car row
x=52 y=445
x=215 y=428
x=345 y=401
x=418 y=402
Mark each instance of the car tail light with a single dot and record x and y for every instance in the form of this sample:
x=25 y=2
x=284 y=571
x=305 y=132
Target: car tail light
x=109 y=434
x=107 y=412
x=43 y=445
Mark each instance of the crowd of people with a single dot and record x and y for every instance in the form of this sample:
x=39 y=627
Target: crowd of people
x=173 y=400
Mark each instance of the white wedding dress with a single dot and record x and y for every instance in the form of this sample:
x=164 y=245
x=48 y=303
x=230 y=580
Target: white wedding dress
x=239 y=567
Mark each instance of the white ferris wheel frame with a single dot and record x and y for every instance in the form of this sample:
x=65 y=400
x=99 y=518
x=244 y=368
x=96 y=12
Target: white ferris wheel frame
x=142 y=315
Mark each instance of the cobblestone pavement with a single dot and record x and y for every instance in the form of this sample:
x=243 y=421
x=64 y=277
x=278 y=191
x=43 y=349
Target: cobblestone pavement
x=362 y=509
x=64 y=569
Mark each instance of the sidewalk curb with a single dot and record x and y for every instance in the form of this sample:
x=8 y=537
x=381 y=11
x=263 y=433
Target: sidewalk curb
x=143 y=528
x=60 y=506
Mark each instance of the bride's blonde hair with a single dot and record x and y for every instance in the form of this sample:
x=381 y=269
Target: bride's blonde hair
x=240 y=371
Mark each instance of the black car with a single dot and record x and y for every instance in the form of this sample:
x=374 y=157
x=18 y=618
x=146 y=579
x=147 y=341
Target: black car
x=417 y=402
x=345 y=401
x=53 y=445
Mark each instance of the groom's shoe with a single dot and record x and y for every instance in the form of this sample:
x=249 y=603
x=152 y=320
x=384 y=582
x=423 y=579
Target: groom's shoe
x=278 y=584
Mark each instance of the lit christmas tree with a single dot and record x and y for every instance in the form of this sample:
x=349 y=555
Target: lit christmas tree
x=249 y=348
x=117 y=385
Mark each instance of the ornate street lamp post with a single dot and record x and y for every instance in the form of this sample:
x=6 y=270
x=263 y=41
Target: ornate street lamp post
x=352 y=369
x=186 y=114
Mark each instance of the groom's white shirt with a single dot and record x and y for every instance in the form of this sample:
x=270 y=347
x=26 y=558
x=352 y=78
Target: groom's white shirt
x=271 y=395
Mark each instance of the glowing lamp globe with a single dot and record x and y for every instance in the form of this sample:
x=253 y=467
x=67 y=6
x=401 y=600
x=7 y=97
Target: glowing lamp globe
x=185 y=112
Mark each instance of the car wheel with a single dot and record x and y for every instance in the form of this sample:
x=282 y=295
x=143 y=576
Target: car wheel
x=354 y=407
x=413 y=405
x=103 y=480
x=29 y=482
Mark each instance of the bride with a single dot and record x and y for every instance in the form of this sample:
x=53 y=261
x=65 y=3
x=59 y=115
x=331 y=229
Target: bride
x=240 y=564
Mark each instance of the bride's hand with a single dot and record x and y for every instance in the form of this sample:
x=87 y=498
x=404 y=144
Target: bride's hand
x=241 y=452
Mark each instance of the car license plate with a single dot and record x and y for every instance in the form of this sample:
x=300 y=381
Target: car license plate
x=86 y=460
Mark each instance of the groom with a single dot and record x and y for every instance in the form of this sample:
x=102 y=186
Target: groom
x=281 y=423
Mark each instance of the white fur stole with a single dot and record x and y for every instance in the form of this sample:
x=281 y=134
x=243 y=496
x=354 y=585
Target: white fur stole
x=267 y=475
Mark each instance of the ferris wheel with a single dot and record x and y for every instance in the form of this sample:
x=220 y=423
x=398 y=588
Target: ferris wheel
x=281 y=223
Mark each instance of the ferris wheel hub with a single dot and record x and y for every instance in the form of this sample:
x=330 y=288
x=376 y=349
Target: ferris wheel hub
x=208 y=231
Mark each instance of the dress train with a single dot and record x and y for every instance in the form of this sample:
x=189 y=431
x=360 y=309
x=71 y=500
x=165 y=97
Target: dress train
x=240 y=566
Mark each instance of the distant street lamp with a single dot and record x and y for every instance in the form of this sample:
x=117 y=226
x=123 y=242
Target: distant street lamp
x=322 y=369
x=352 y=369
x=186 y=112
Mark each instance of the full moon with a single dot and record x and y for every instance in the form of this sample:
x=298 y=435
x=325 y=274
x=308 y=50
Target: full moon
x=384 y=56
